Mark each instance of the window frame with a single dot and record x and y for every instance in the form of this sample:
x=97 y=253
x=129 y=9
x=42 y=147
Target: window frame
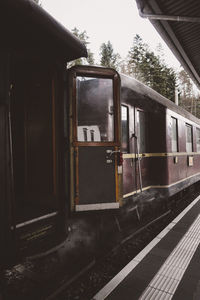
x=177 y=141
x=192 y=142
x=197 y=130
x=96 y=73
x=127 y=131
x=138 y=132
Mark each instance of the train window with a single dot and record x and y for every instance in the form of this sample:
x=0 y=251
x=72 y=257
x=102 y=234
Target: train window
x=174 y=135
x=189 y=140
x=141 y=131
x=85 y=134
x=95 y=109
x=92 y=135
x=125 y=129
x=198 y=139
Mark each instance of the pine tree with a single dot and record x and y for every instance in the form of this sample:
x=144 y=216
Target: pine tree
x=84 y=38
x=135 y=59
x=107 y=56
x=188 y=99
x=151 y=69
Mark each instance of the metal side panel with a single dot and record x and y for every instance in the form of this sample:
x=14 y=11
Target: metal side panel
x=96 y=176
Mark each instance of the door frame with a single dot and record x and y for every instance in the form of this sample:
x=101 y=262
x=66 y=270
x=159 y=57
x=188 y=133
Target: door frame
x=97 y=72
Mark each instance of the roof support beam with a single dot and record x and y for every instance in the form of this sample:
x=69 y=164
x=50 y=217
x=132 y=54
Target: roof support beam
x=169 y=18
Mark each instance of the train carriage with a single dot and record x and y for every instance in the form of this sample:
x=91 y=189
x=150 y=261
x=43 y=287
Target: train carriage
x=166 y=138
x=159 y=140
x=86 y=152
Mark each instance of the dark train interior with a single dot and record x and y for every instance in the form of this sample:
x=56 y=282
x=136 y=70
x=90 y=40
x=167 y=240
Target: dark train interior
x=33 y=131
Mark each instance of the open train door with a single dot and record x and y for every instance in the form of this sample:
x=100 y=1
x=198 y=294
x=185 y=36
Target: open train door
x=95 y=138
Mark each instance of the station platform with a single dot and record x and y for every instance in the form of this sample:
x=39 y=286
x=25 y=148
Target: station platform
x=167 y=268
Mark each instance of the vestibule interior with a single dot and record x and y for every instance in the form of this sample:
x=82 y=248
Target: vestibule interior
x=33 y=123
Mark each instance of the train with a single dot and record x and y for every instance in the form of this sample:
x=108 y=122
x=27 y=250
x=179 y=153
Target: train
x=88 y=154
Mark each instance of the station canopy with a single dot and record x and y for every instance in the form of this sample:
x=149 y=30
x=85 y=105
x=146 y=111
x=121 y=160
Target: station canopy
x=178 y=23
x=27 y=29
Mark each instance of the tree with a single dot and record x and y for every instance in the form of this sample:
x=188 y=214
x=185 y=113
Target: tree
x=107 y=56
x=185 y=84
x=160 y=52
x=84 y=38
x=188 y=98
x=135 y=59
x=144 y=65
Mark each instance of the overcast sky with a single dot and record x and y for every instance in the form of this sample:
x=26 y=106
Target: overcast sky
x=114 y=20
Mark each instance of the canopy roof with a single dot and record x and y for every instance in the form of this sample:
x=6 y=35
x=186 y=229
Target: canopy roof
x=27 y=28
x=178 y=22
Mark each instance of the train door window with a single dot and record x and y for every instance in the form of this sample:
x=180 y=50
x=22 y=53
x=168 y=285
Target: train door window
x=95 y=109
x=174 y=135
x=125 y=128
x=92 y=135
x=189 y=140
x=85 y=134
x=198 y=139
x=141 y=131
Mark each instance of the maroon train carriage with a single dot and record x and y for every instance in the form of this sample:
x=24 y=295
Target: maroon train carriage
x=164 y=137
x=160 y=142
